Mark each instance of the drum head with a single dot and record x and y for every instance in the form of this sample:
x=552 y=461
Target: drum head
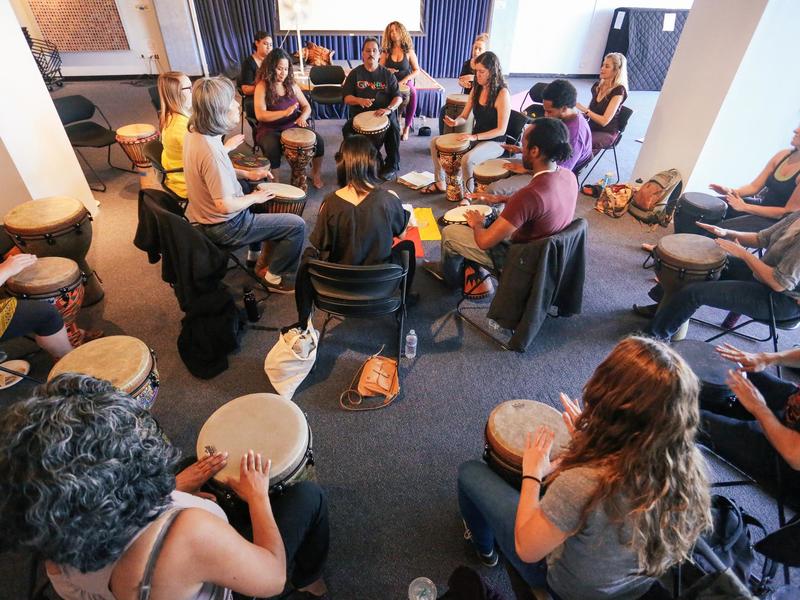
x=711 y=369
x=458 y=214
x=510 y=422
x=704 y=203
x=370 y=123
x=298 y=137
x=123 y=360
x=265 y=423
x=136 y=131
x=283 y=191
x=46 y=215
x=492 y=168
x=450 y=142
x=457 y=99
x=249 y=161
x=48 y=274
x=690 y=251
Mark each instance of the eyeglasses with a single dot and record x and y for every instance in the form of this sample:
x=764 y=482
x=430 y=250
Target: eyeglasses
x=186 y=88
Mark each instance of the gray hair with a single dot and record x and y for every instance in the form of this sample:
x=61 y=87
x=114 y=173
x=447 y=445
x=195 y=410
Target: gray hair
x=211 y=101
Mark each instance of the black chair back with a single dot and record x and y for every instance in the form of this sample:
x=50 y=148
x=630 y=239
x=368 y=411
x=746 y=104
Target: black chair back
x=623 y=117
x=72 y=109
x=155 y=99
x=327 y=75
x=152 y=152
x=516 y=123
x=537 y=90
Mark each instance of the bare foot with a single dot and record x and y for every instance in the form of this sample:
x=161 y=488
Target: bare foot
x=316 y=588
x=405 y=133
x=648 y=247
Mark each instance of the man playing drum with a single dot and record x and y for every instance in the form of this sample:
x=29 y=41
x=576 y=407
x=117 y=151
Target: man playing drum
x=371 y=87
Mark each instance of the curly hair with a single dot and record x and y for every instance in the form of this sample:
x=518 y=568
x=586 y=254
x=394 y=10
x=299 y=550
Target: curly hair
x=82 y=469
x=496 y=80
x=266 y=73
x=405 y=41
x=638 y=427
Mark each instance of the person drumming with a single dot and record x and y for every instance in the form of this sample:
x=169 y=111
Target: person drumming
x=397 y=55
x=467 y=74
x=490 y=103
x=372 y=87
x=262 y=45
x=608 y=94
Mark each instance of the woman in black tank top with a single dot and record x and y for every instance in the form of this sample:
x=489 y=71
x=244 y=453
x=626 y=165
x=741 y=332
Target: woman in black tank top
x=397 y=55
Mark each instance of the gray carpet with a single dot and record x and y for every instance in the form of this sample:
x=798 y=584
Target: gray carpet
x=390 y=474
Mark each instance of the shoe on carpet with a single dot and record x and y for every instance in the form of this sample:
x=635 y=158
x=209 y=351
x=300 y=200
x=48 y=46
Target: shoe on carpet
x=648 y=311
x=282 y=286
x=488 y=560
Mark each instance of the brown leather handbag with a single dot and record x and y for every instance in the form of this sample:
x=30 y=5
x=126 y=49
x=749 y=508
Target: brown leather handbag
x=377 y=384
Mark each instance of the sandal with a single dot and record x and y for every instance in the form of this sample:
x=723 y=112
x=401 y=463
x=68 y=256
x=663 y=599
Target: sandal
x=432 y=188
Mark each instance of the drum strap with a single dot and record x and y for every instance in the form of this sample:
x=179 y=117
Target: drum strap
x=146 y=585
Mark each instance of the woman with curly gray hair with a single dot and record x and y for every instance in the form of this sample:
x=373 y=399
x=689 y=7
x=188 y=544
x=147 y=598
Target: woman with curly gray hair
x=87 y=482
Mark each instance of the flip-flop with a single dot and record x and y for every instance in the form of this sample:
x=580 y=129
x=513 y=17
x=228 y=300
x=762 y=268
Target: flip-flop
x=431 y=189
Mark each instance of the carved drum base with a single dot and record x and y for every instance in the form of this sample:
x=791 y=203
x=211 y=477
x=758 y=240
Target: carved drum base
x=299 y=159
x=451 y=164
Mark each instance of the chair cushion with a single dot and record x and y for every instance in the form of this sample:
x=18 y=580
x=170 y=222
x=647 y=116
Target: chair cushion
x=90 y=134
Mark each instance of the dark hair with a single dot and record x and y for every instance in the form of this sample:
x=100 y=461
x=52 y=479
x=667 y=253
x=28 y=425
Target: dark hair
x=561 y=93
x=259 y=35
x=357 y=164
x=369 y=39
x=266 y=73
x=83 y=468
x=496 y=80
x=551 y=136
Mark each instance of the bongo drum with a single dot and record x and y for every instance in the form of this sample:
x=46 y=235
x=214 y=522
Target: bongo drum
x=372 y=126
x=55 y=280
x=712 y=371
x=683 y=258
x=249 y=162
x=299 y=145
x=695 y=206
x=125 y=361
x=506 y=432
x=288 y=199
x=490 y=171
x=56 y=226
x=451 y=149
x=453 y=107
x=457 y=215
x=132 y=139
x=265 y=423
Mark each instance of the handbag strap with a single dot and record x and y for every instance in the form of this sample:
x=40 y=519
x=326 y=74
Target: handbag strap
x=146 y=585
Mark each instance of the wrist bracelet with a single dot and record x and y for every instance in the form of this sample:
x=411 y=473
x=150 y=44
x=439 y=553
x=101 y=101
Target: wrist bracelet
x=536 y=479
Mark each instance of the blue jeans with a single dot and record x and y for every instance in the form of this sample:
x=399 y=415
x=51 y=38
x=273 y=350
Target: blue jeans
x=286 y=231
x=489 y=506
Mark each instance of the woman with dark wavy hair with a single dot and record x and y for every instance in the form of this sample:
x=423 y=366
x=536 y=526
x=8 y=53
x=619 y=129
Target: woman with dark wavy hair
x=490 y=103
x=397 y=55
x=87 y=482
x=281 y=105
x=628 y=498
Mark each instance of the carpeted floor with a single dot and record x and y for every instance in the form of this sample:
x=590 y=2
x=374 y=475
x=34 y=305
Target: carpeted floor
x=390 y=474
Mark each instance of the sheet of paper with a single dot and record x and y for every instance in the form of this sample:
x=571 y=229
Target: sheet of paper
x=428 y=228
x=619 y=20
x=669 y=22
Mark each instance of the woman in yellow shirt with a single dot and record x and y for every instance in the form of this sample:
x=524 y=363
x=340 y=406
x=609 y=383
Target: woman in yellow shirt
x=175 y=93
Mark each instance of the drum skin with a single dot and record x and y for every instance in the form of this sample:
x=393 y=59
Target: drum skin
x=132 y=139
x=288 y=199
x=712 y=371
x=298 y=137
x=457 y=215
x=696 y=206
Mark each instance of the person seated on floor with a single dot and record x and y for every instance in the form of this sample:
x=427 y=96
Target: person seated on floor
x=540 y=209
x=559 y=99
x=608 y=95
x=745 y=285
x=372 y=87
x=279 y=105
x=89 y=485
x=20 y=317
x=217 y=203
x=490 y=104
x=358 y=223
x=770 y=421
x=769 y=197
x=625 y=501
x=262 y=46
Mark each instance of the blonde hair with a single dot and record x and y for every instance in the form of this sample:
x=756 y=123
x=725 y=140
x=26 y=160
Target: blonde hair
x=482 y=37
x=170 y=97
x=638 y=429
x=211 y=101
x=621 y=69
x=405 y=41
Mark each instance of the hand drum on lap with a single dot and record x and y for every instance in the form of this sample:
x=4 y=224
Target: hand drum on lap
x=372 y=126
x=248 y=162
x=695 y=206
x=488 y=172
x=457 y=215
x=288 y=199
x=712 y=371
x=133 y=138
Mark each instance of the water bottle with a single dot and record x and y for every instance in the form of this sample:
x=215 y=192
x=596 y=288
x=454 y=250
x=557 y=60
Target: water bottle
x=422 y=588
x=411 y=344
x=605 y=180
x=250 y=305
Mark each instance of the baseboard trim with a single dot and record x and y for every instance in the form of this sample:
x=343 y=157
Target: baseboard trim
x=110 y=77
x=554 y=75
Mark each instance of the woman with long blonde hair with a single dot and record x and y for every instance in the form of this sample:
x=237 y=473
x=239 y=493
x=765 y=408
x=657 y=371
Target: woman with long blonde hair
x=397 y=55
x=608 y=95
x=629 y=496
x=175 y=94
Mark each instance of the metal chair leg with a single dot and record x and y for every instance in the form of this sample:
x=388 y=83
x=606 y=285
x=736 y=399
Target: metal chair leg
x=616 y=164
x=96 y=176
x=113 y=166
x=249 y=273
x=592 y=165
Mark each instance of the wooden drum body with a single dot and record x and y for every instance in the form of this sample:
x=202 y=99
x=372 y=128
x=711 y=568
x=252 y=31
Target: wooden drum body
x=453 y=107
x=288 y=199
x=132 y=139
x=56 y=226
x=125 y=361
x=488 y=172
x=506 y=432
x=451 y=149
x=299 y=145
x=55 y=280
x=374 y=127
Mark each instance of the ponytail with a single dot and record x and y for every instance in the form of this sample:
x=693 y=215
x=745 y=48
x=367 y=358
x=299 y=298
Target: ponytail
x=551 y=137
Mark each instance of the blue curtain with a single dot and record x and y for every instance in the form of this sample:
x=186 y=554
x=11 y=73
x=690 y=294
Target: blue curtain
x=227 y=27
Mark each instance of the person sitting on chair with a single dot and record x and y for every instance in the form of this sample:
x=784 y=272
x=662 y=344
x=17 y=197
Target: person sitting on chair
x=217 y=203
x=540 y=209
x=608 y=94
x=175 y=94
x=262 y=46
x=746 y=286
x=627 y=498
x=372 y=87
x=467 y=74
x=89 y=485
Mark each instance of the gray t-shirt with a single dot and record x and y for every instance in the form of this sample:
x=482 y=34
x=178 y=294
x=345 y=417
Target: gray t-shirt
x=783 y=252
x=210 y=176
x=595 y=562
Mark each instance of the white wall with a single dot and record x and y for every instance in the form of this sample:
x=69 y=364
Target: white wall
x=144 y=37
x=566 y=37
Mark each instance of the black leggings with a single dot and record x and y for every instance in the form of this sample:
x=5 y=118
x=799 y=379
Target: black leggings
x=270 y=144
x=33 y=317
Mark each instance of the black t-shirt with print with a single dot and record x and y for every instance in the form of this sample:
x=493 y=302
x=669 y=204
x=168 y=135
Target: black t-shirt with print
x=380 y=85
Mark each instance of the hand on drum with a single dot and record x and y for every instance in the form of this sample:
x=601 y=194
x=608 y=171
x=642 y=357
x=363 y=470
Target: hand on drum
x=15 y=264
x=712 y=229
x=365 y=102
x=511 y=149
x=720 y=189
x=536 y=458
x=733 y=248
x=572 y=411
x=465 y=81
x=382 y=111
x=253 y=479
x=515 y=167
x=233 y=142
x=750 y=362
x=484 y=197
x=735 y=201
x=192 y=478
x=474 y=218
x=260 y=196
x=259 y=174
x=747 y=394
x=449 y=121
x=301 y=122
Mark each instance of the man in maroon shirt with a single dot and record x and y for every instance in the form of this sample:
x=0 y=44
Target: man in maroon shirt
x=542 y=208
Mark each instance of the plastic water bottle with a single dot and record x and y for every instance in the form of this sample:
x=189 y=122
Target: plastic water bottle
x=422 y=588
x=605 y=180
x=251 y=305
x=411 y=344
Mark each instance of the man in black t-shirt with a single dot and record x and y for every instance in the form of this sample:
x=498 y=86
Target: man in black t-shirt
x=371 y=87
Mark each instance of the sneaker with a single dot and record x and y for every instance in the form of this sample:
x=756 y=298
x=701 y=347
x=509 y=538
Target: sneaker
x=648 y=311
x=281 y=287
x=488 y=560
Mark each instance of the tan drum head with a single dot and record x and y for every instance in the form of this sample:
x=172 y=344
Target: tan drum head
x=450 y=142
x=510 y=422
x=136 y=131
x=691 y=251
x=46 y=215
x=265 y=423
x=48 y=274
x=368 y=122
x=123 y=360
x=458 y=214
x=283 y=191
x=298 y=137
x=459 y=99
x=403 y=87
x=492 y=168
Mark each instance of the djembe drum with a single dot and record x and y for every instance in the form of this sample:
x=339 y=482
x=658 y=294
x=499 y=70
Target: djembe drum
x=453 y=107
x=457 y=215
x=125 y=361
x=132 y=139
x=59 y=282
x=488 y=172
x=249 y=162
x=288 y=199
x=696 y=206
x=712 y=371
x=372 y=126
x=299 y=145
x=451 y=148
x=56 y=226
